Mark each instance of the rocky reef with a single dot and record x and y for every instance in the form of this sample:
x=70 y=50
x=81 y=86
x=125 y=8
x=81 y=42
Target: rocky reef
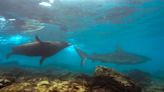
x=112 y=81
x=34 y=80
x=44 y=85
x=141 y=78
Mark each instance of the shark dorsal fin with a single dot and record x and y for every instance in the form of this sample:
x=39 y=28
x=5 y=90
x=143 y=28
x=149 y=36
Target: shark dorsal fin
x=119 y=50
x=37 y=39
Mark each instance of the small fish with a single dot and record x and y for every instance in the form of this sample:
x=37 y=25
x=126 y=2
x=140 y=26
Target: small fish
x=118 y=57
x=39 y=48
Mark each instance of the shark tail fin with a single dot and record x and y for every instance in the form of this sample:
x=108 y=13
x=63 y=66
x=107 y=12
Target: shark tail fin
x=82 y=55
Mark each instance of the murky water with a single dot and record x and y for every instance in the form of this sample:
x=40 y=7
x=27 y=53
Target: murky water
x=125 y=35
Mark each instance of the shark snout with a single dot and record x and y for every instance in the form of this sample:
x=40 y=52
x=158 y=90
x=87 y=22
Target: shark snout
x=145 y=59
x=66 y=44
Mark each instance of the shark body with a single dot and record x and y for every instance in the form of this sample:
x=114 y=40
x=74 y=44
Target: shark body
x=40 y=48
x=118 y=57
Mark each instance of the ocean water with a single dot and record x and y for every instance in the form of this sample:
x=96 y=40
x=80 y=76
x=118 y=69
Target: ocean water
x=94 y=26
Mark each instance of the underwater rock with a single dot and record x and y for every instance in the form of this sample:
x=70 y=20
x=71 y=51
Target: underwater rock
x=142 y=79
x=43 y=83
x=45 y=86
x=66 y=86
x=154 y=89
x=5 y=82
x=104 y=80
x=113 y=81
x=157 y=85
x=66 y=76
x=19 y=87
x=107 y=80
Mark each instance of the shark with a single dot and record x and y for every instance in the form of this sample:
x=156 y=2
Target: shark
x=44 y=49
x=119 y=57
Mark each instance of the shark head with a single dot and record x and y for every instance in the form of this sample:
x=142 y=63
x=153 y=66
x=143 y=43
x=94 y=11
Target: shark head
x=64 y=44
x=143 y=59
x=136 y=59
x=123 y=57
x=54 y=47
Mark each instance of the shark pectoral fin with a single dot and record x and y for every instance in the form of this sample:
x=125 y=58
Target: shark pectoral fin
x=42 y=60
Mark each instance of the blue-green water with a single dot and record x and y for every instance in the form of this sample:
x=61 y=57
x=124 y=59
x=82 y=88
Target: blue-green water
x=95 y=26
